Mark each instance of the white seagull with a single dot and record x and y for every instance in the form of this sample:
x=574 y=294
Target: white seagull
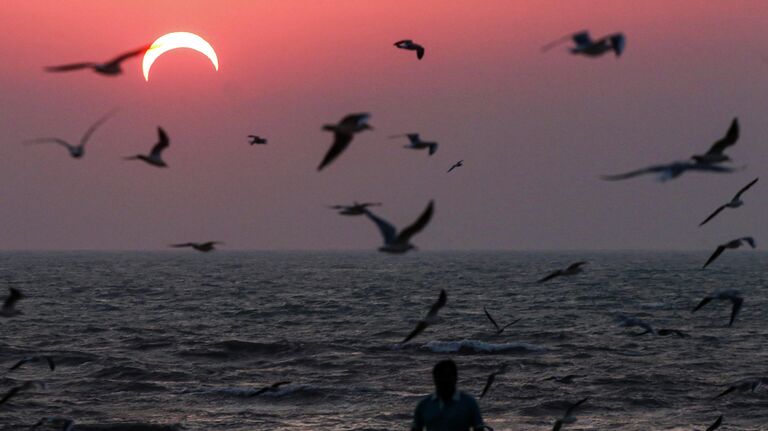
x=430 y=319
x=343 y=133
x=499 y=329
x=568 y=417
x=724 y=295
x=417 y=144
x=155 y=156
x=734 y=244
x=400 y=243
x=35 y=359
x=9 y=306
x=573 y=269
x=76 y=151
x=411 y=46
x=109 y=68
x=734 y=203
x=715 y=152
x=458 y=164
x=592 y=48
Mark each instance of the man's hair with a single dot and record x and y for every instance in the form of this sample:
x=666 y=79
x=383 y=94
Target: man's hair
x=446 y=367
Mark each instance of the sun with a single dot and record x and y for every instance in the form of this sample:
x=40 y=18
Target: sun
x=179 y=39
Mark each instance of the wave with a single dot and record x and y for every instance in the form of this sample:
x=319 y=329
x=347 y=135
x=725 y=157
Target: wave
x=477 y=346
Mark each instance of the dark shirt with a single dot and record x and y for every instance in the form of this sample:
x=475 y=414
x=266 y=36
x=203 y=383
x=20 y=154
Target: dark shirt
x=461 y=413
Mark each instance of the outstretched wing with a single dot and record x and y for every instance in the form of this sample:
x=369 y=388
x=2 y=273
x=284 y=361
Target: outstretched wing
x=99 y=122
x=551 y=275
x=726 y=141
x=388 y=231
x=715 y=425
x=340 y=143
x=573 y=407
x=162 y=144
x=61 y=142
x=68 y=67
x=354 y=120
x=618 y=42
x=576 y=265
x=747 y=187
x=441 y=301
x=419 y=52
x=421 y=326
x=703 y=302
x=711 y=216
x=749 y=240
x=726 y=392
x=406 y=234
x=487 y=314
x=8 y=395
x=510 y=324
x=638 y=172
x=488 y=384
x=186 y=244
x=718 y=252
x=737 y=302
x=129 y=54
x=13 y=297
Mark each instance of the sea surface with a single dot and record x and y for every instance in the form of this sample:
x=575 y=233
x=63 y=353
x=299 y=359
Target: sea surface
x=185 y=338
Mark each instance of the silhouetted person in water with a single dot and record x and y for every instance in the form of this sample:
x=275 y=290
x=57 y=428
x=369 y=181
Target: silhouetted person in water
x=448 y=409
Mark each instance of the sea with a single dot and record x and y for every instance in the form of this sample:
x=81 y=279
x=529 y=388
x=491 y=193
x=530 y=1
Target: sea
x=173 y=340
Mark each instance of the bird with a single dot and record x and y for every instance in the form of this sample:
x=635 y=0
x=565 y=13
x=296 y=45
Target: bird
x=154 y=158
x=715 y=152
x=199 y=246
x=573 y=269
x=715 y=425
x=411 y=46
x=492 y=377
x=257 y=140
x=746 y=385
x=724 y=295
x=458 y=164
x=35 y=359
x=109 y=68
x=343 y=134
x=271 y=388
x=671 y=171
x=21 y=388
x=631 y=322
x=592 y=48
x=9 y=306
x=568 y=417
x=566 y=380
x=663 y=332
x=355 y=209
x=499 y=329
x=76 y=151
x=733 y=244
x=400 y=243
x=430 y=319
x=63 y=424
x=734 y=203
x=417 y=144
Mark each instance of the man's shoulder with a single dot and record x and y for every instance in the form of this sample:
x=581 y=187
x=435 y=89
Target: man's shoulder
x=467 y=398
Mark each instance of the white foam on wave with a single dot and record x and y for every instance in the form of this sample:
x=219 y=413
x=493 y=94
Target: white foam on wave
x=478 y=346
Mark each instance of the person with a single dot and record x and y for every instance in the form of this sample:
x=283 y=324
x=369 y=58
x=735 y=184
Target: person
x=448 y=409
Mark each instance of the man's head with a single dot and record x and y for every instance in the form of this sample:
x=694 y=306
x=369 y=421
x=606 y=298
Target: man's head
x=445 y=374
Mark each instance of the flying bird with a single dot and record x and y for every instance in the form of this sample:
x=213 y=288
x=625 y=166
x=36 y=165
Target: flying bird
x=458 y=164
x=499 y=329
x=734 y=244
x=257 y=140
x=62 y=424
x=26 y=386
x=9 y=306
x=199 y=246
x=715 y=425
x=35 y=359
x=109 y=68
x=76 y=151
x=671 y=171
x=573 y=269
x=492 y=377
x=747 y=385
x=411 y=46
x=734 y=203
x=400 y=243
x=355 y=209
x=343 y=133
x=417 y=144
x=271 y=388
x=715 y=152
x=155 y=156
x=568 y=417
x=430 y=319
x=592 y=48
x=724 y=295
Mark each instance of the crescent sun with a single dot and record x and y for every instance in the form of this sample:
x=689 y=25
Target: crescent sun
x=179 y=39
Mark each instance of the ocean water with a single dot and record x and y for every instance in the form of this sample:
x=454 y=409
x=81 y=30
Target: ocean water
x=185 y=338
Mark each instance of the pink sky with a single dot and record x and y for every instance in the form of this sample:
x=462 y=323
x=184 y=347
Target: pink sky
x=535 y=130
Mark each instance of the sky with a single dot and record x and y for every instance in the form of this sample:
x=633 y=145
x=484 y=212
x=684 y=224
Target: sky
x=535 y=130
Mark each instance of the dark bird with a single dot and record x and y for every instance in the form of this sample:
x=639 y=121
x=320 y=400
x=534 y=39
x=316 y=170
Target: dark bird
x=430 y=319
x=568 y=417
x=747 y=385
x=734 y=203
x=415 y=143
x=257 y=140
x=76 y=151
x=35 y=359
x=664 y=332
x=9 y=306
x=492 y=377
x=199 y=246
x=715 y=153
x=458 y=164
x=499 y=329
x=26 y=386
x=400 y=243
x=734 y=244
x=343 y=133
x=271 y=388
x=725 y=295
x=155 y=156
x=592 y=48
x=110 y=68
x=566 y=380
x=355 y=209
x=715 y=425
x=410 y=46
x=671 y=171
x=573 y=269
x=62 y=424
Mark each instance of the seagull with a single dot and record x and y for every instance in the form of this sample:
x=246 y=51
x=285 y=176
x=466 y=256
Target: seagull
x=199 y=246
x=21 y=388
x=410 y=46
x=257 y=140
x=354 y=209
x=502 y=369
x=34 y=359
x=747 y=385
x=630 y=322
x=343 y=133
x=8 y=309
x=271 y=388
x=499 y=329
x=736 y=243
x=63 y=424
x=568 y=417
x=430 y=319
x=725 y=295
x=734 y=203
x=666 y=332
x=592 y=48
x=458 y=164
x=76 y=151
x=715 y=152
x=110 y=68
x=400 y=243
x=417 y=144
x=566 y=380
x=715 y=425
x=154 y=158
x=573 y=269
x=671 y=171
